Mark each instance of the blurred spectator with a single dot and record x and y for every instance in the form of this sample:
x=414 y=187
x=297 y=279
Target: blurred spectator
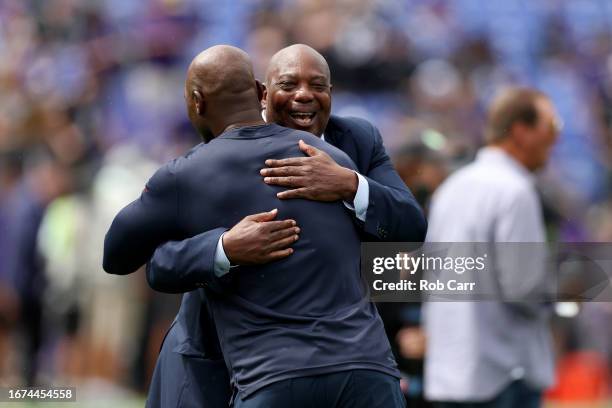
x=44 y=180
x=490 y=353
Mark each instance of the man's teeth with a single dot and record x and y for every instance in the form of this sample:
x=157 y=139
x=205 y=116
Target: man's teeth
x=303 y=118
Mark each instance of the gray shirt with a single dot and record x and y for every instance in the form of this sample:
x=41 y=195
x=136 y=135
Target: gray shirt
x=475 y=349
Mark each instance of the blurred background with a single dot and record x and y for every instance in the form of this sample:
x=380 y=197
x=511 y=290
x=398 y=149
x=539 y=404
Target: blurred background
x=91 y=103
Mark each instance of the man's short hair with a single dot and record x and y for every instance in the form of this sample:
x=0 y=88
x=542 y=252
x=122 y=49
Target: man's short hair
x=510 y=106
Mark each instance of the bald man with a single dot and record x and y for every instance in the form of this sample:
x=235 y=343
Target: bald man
x=298 y=95
x=282 y=334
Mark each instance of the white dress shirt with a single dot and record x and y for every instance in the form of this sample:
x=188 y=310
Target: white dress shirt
x=475 y=349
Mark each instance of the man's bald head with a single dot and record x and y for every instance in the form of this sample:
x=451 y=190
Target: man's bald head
x=221 y=68
x=220 y=81
x=298 y=89
x=292 y=55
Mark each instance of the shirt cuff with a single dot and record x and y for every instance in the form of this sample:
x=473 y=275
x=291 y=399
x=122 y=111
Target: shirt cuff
x=222 y=262
x=361 y=200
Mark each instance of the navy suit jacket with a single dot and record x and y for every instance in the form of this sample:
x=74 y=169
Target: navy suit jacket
x=192 y=336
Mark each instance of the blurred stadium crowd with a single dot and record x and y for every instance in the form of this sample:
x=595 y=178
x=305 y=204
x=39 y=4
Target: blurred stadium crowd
x=91 y=102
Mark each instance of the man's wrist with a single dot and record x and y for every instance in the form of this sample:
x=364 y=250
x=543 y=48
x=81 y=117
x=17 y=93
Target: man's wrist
x=222 y=263
x=351 y=183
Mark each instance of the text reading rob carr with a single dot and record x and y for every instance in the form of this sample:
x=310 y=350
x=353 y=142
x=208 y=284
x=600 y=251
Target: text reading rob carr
x=409 y=264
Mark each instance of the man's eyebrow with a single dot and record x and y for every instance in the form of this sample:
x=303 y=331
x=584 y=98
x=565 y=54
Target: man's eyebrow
x=285 y=76
x=319 y=78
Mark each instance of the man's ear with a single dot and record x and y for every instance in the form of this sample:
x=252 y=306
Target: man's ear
x=199 y=103
x=260 y=90
x=519 y=134
x=263 y=97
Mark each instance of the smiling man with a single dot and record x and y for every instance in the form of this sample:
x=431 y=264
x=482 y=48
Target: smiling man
x=297 y=95
x=298 y=89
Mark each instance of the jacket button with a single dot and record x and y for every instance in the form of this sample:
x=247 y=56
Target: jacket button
x=382 y=232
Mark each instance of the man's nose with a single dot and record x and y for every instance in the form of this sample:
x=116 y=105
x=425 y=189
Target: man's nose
x=303 y=94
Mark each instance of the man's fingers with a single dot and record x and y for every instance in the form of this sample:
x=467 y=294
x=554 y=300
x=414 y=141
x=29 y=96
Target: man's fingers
x=302 y=192
x=273 y=226
x=308 y=149
x=285 y=171
x=282 y=234
x=262 y=217
x=291 y=161
x=291 y=181
x=276 y=255
x=283 y=243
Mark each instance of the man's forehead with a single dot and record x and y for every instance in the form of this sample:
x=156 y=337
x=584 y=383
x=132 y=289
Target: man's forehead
x=546 y=107
x=549 y=113
x=301 y=73
x=300 y=64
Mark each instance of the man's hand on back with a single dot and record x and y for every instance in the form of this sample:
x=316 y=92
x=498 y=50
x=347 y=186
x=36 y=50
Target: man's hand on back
x=257 y=239
x=315 y=177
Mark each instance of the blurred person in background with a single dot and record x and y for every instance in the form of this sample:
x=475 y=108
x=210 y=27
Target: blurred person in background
x=423 y=164
x=10 y=173
x=494 y=354
x=45 y=179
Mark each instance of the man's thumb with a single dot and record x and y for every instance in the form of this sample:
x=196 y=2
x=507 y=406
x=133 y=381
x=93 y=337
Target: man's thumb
x=264 y=216
x=308 y=149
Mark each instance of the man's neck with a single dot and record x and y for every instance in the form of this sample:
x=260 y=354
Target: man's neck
x=240 y=119
x=512 y=151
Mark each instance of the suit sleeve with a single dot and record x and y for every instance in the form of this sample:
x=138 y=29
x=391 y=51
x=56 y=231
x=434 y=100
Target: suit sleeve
x=143 y=225
x=393 y=212
x=182 y=266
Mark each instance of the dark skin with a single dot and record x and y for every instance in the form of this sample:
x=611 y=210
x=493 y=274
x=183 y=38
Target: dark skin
x=221 y=94
x=298 y=95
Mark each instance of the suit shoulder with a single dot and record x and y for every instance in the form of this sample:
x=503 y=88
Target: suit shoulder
x=171 y=169
x=181 y=163
x=358 y=126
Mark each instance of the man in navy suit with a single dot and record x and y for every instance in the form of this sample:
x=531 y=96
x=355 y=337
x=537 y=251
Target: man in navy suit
x=330 y=337
x=297 y=95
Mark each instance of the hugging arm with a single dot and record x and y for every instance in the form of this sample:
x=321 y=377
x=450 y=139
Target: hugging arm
x=182 y=266
x=393 y=213
x=143 y=225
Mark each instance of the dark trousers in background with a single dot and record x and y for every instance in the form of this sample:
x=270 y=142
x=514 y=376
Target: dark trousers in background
x=346 y=389
x=517 y=394
x=32 y=327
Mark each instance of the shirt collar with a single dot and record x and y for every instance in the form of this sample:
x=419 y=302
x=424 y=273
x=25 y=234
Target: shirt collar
x=491 y=154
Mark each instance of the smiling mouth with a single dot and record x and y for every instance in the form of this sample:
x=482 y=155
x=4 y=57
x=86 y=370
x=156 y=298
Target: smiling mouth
x=303 y=119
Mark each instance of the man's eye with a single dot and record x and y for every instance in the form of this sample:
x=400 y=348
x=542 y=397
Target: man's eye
x=319 y=87
x=286 y=85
